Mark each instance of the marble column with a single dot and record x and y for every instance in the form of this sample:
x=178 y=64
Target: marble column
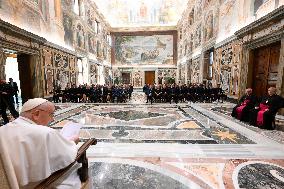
x=3 y=59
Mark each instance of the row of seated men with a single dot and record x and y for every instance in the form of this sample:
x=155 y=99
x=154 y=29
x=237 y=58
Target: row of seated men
x=93 y=93
x=182 y=93
x=256 y=111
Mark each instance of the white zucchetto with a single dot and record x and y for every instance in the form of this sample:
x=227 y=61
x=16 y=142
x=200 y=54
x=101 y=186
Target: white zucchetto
x=32 y=103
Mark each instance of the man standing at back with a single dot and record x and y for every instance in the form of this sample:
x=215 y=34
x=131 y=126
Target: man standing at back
x=6 y=101
x=15 y=89
x=37 y=150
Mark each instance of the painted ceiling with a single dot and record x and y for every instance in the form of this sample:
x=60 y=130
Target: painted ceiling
x=141 y=13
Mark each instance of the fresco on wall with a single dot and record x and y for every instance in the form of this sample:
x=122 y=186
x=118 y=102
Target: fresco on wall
x=206 y=3
x=67 y=3
x=80 y=36
x=129 y=13
x=198 y=10
x=228 y=15
x=92 y=44
x=197 y=37
x=68 y=30
x=155 y=49
x=208 y=28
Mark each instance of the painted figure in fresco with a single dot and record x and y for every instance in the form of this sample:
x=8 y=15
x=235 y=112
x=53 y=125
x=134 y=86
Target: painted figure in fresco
x=150 y=55
x=209 y=27
x=91 y=44
x=68 y=35
x=80 y=37
x=143 y=11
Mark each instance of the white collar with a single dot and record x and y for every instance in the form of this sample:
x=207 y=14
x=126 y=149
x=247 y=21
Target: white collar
x=21 y=118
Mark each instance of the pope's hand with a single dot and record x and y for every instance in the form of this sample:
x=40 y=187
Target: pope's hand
x=75 y=139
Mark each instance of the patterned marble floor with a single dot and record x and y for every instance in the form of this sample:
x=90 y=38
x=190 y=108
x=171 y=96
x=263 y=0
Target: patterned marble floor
x=175 y=146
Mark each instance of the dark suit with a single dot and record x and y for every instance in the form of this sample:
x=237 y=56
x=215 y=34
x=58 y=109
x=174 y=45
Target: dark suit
x=6 y=101
x=273 y=104
x=15 y=90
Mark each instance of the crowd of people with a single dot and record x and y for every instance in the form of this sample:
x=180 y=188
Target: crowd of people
x=182 y=93
x=258 y=111
x=30 y=128
x=93 y=93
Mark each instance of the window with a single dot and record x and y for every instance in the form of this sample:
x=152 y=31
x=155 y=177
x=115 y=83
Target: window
x=76 y=7
x=257 y=4
x=210 y=66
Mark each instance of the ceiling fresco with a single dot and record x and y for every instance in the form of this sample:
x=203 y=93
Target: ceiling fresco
x=141 y=13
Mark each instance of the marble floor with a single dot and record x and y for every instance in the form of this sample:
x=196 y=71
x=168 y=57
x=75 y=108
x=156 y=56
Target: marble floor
x=175 y=146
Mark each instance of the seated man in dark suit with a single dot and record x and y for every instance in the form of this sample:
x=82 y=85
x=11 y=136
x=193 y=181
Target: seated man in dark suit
x=264 y=114
x=246 y=104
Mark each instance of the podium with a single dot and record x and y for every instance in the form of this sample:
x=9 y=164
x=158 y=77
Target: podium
x=82 y=171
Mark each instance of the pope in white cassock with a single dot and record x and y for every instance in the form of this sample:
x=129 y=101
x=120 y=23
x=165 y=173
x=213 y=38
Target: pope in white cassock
x=36 y=151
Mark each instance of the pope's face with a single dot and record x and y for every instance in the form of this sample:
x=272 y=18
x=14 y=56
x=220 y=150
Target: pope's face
x=44 y=116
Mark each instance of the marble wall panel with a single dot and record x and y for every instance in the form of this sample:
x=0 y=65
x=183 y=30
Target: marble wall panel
x=164 y=74
x=195 y=71
x=226 y=67
x=137 y=78
x=59 y=68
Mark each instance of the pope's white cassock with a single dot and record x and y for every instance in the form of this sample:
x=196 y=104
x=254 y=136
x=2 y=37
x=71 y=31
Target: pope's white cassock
x=36 y=151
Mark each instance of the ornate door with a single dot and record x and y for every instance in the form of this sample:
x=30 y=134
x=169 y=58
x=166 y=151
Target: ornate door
x=266 y=60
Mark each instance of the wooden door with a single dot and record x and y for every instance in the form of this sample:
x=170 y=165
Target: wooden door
x=266 y=60
x=273 y=65
x=149 y=77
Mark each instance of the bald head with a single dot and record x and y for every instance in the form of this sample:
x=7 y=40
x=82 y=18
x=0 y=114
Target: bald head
x=272 y=91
